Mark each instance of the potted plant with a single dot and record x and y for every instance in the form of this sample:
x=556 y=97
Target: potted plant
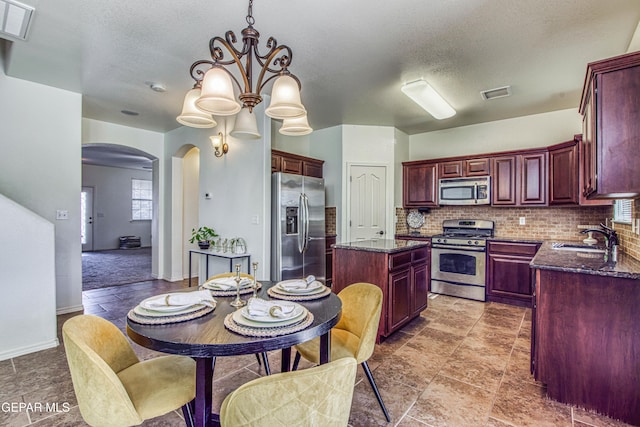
x=203 y=236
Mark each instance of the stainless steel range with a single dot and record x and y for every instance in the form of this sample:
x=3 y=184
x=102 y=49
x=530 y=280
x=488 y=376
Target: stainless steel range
x=458 y=258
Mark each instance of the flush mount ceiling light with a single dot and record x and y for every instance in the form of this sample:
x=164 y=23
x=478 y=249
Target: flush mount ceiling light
x=15 y=19
x=215 y=78
x=425 y=96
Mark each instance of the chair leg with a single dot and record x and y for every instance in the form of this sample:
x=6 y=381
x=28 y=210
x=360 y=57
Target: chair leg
x=265 y=359
x=367 y=372
x=187 y=411
x=296 y=361
x=259 y=361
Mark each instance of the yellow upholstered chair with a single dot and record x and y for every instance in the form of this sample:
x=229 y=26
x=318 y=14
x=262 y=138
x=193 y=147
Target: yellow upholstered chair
x=265 y=359
x=319 y=396
x=112 y=386
x=355 y=334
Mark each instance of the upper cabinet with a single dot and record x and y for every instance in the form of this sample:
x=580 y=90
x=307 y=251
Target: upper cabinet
x=293 y=163
x=419 y=184
x=563 y=173
x=610 y=107
x=520 y=179
x=463 y=168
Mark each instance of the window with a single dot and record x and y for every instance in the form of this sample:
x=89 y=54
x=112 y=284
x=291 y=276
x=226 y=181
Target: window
x=622 y=211
x=141 y=199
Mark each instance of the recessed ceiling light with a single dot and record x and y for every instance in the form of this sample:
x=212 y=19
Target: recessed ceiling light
x=499 y=92
x=156 y=87
x=129 y=112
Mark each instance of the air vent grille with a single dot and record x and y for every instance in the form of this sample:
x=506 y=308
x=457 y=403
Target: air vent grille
x=499 y=92
x=15 y=19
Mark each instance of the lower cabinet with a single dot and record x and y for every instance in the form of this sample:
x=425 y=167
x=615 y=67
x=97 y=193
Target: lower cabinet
x=509 y=278
x=403 y=277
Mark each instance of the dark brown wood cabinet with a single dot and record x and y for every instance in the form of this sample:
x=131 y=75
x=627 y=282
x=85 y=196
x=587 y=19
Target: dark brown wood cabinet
x=610 y=106
x=403 y=277
x=585 y=341
x=329 y=240
x=295 y=164
x=563 y=174
x=509 y=278
x=464 y=167
x=419 y=184
x=520 y=179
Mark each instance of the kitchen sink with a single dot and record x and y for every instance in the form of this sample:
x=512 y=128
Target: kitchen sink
x=577 y=247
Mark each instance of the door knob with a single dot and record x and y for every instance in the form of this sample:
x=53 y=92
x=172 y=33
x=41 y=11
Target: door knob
x=380 y=232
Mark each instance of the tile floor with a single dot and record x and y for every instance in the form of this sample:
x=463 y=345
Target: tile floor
x=461 y=363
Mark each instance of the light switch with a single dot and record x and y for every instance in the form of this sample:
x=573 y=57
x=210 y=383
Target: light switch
x=255 y=219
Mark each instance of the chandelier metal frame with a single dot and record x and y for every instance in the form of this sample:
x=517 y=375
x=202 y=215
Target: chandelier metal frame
x=274 y=63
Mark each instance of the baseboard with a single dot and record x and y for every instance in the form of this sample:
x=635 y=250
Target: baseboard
x=21 y=351
x=174 y=279
x=72 y=309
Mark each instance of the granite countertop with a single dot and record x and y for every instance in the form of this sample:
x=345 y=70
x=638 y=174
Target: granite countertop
x=415 y=235
x=381 y=245
x=585 y=262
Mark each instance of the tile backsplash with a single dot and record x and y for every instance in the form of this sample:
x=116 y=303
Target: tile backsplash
x=629 y=240
x=330 y=221
x=560 y=223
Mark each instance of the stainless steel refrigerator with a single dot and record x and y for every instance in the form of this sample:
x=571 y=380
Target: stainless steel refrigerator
x=297 y=227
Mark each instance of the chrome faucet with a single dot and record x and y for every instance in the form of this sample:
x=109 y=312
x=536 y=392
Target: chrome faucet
x=610 y=239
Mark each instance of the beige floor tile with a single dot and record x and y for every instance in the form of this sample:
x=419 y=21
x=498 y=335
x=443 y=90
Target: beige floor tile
x=519 y=368
x=590 y=418
x=525 y=404
x=433 y=341
x=480 y=369
x=410 y=422
x=411 y=367
x=448 y=402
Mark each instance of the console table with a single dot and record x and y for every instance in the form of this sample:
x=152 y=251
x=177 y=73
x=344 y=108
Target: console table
x=210 y=253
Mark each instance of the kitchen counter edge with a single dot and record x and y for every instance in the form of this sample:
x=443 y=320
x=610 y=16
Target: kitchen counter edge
x=382 y=245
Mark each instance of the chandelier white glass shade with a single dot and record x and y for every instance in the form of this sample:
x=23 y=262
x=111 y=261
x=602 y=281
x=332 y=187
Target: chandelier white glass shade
x=191 y=115
x=246 y=126
x=425 y=96
x=297 y=126
x=232 y=67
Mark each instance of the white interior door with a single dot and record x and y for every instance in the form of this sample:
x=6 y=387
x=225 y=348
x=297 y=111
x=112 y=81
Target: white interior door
x=368 y=211
x=86 y=222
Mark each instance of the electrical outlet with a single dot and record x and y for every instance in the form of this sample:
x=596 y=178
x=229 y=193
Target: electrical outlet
x=523 y=220
x=638 y=226
x=61 y=214
x=255 y=219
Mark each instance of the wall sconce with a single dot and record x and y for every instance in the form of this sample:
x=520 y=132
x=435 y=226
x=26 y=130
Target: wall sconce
x=221 y=148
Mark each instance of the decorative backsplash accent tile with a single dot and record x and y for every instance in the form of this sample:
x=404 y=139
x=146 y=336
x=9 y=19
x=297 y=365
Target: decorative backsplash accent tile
x=559 y=223
x=330 y=220
x=629 y=241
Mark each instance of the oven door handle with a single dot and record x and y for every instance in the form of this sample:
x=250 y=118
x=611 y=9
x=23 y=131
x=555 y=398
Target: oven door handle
x=460 y=248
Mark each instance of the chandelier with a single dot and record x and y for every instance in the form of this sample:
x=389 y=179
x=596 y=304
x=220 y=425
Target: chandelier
x=213 y=91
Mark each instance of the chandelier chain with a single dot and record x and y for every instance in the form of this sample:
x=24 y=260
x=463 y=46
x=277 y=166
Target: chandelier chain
x=250 y=19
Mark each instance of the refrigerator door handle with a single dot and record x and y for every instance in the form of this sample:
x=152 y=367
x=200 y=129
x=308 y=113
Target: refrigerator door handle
x=300 y=223
x=306 y=223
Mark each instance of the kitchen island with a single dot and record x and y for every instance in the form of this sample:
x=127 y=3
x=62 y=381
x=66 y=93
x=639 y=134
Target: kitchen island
x=586 y=330
x=399 y=267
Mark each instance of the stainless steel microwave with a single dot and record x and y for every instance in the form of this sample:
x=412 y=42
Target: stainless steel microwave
x=465 y=191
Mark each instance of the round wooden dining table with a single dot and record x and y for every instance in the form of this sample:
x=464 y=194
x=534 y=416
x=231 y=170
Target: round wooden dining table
x=206 y=338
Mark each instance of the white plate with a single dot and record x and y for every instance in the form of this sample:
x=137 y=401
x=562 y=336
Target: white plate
x=164 y=309
x=154 y=313
x=297 y=311
x=315 y=287
x=215 y=287
x=241 y=320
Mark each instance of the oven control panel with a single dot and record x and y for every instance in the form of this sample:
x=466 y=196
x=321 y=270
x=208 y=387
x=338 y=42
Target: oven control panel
x=458 y=241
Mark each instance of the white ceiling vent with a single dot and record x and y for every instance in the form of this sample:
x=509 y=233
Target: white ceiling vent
x=15 y=19
x=499 y=92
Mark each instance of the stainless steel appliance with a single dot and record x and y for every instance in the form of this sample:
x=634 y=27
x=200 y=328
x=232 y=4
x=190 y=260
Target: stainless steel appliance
x=297 y=227
x=458 y=258
x=465 y=191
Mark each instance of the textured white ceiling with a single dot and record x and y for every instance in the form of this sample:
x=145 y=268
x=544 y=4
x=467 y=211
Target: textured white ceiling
x=351 y=57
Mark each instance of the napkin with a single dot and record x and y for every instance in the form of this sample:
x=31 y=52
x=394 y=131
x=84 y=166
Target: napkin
x=228 y=283
x=180 y=299
x=260 y=307
x=294 y=285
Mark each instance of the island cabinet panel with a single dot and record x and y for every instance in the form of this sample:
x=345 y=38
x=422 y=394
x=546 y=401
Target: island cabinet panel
x=420 y=185
x=586 y=345
x=509 y=278
x=611 y=127
x=402 y=276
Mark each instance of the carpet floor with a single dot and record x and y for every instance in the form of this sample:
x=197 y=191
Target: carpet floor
x=102 y=269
